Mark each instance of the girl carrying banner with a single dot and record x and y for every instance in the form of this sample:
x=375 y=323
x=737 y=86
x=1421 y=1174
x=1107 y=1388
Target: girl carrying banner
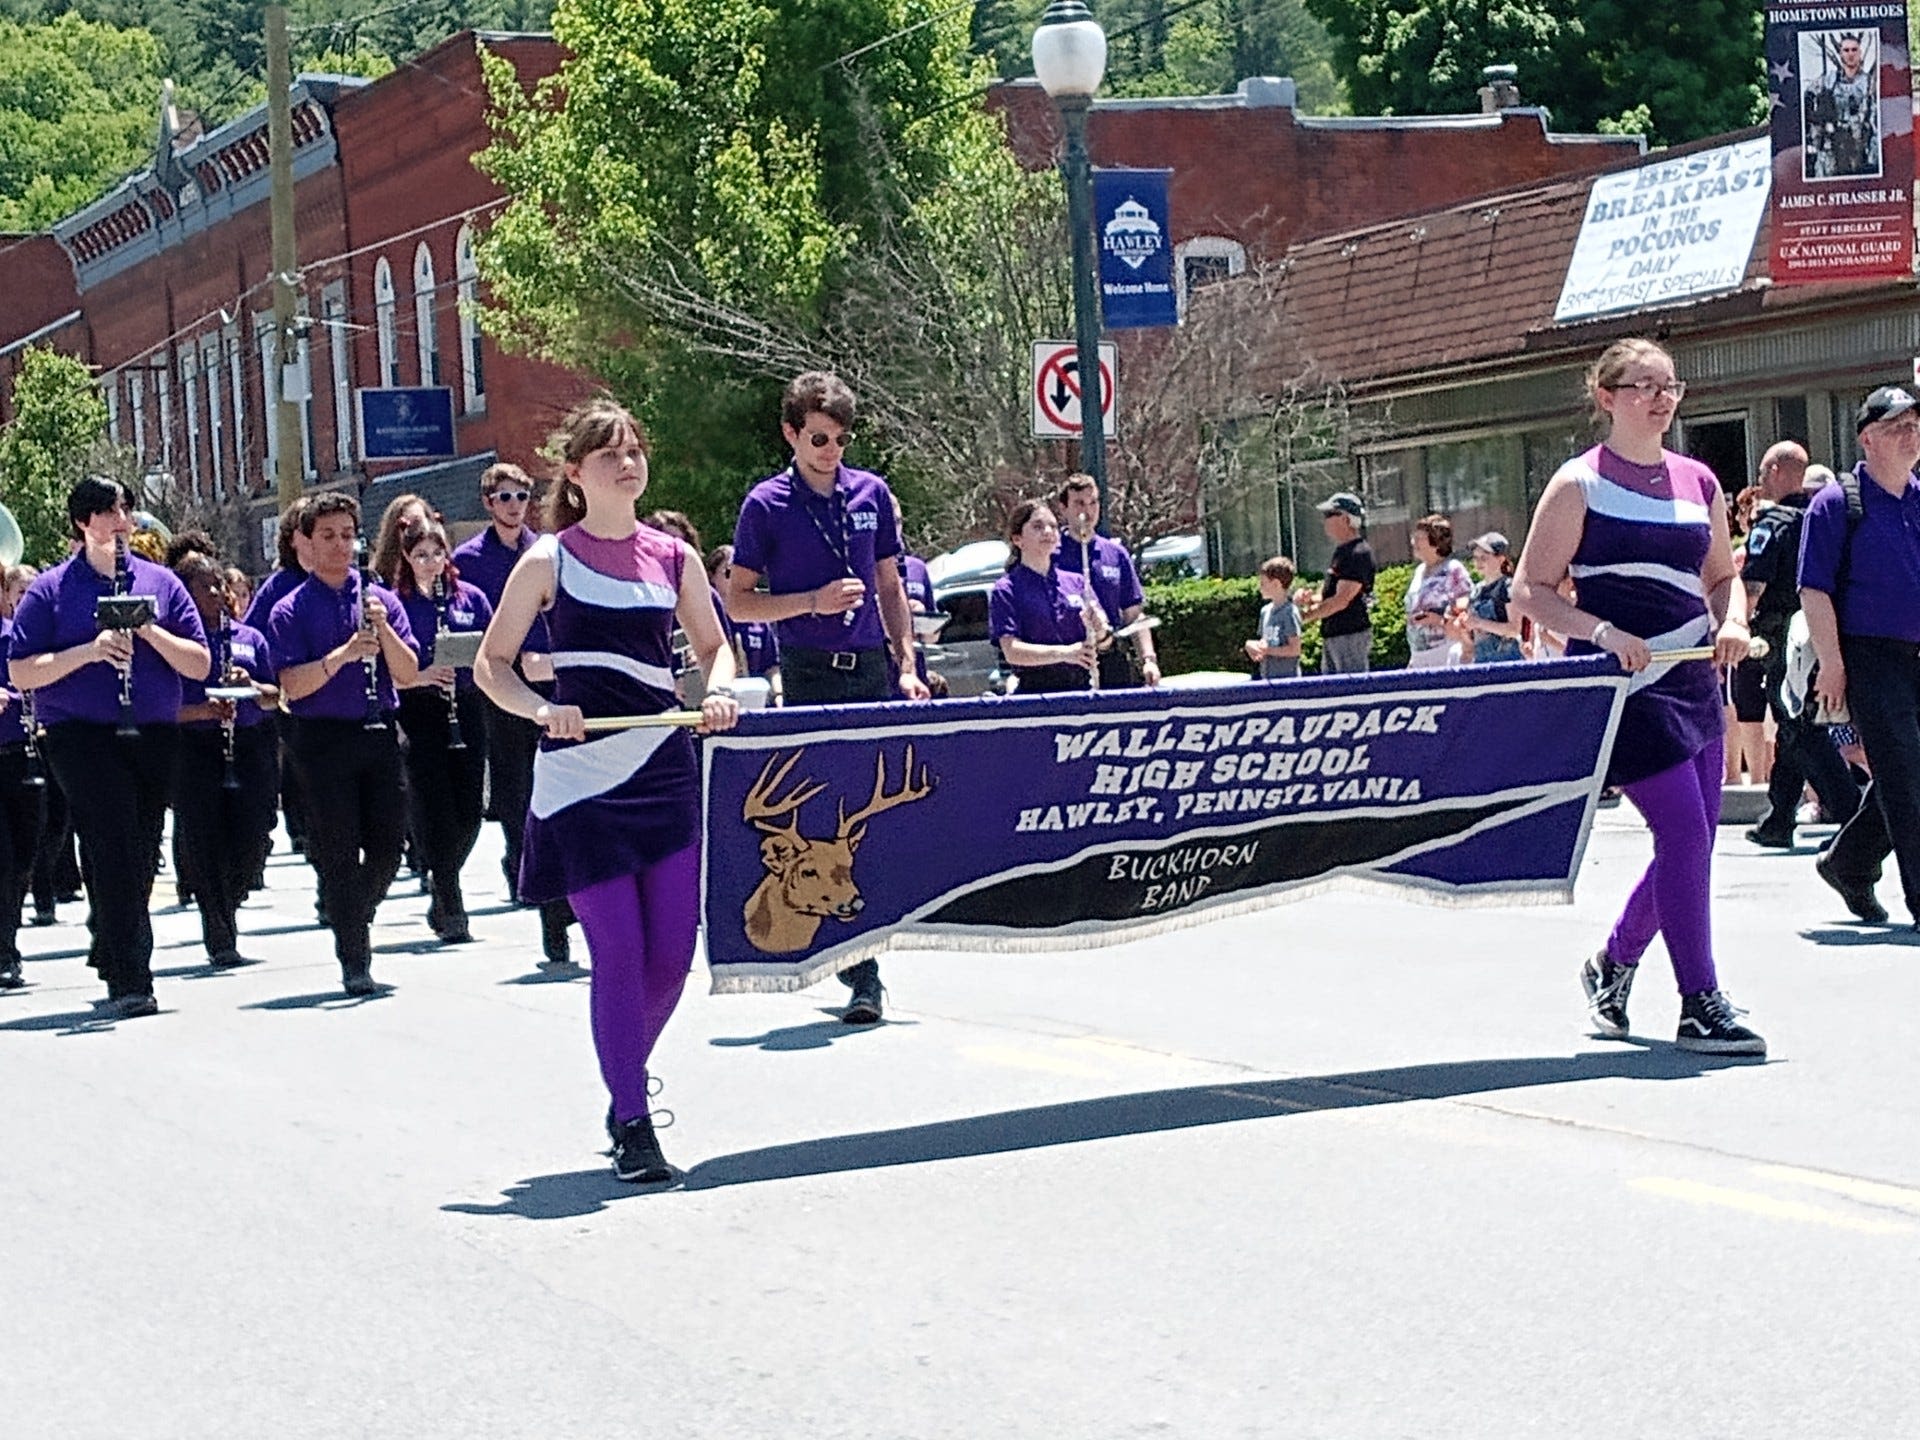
x=1643 y=534
x=614 y=824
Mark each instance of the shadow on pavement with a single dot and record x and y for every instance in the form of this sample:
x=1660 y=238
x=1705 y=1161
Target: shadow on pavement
x=816 y=1036
x=1863 y=934
x=71 y=1022
x=547 y=977
x=413 y=947
x=583 y=1192
x=325 y=1000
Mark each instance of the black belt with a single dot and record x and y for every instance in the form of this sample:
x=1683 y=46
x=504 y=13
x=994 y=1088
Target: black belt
x=833 y=659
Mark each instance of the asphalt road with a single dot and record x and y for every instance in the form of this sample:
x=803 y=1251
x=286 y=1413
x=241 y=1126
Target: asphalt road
x=1350 y=1168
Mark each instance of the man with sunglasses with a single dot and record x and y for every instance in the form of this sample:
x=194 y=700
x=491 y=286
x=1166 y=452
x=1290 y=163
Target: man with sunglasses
x=823 y=537
x=485 y=561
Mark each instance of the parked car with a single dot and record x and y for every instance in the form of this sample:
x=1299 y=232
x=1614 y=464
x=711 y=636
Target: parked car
x=963 y=654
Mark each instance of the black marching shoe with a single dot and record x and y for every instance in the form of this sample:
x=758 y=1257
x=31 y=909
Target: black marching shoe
x=868 y=1001
x=636 y=1153
x=44 y=915
x=1709 y=1025
x=358 y=981
x=127 y=1007
x=1769 y=841
x=226 y=960
x=1607 y=986
x=1860 y=899
x=10 y=976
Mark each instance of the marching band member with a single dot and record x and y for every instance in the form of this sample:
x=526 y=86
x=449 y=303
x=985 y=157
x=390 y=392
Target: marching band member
x=223 y=790
x=1115 y=580
x=822 y=535
x=615 y=821
x=402 y=514
x=1644 y=533
x=22 y=808
x=343 y=644
x=442 y=707
x=1045 y=619
x=292 y=549
x=485 y=561
x=108 y=698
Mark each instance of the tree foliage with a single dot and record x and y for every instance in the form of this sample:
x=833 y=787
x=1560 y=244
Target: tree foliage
x=59 y=416
x=1677 y=72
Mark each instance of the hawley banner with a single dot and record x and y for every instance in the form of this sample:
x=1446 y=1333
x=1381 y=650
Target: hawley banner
x=1060 y=822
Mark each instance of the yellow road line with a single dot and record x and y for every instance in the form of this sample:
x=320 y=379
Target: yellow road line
x=1868 y=1192
x=1766 y=1206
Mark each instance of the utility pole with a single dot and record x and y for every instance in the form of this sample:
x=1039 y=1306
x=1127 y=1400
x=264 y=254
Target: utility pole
x=286 y=261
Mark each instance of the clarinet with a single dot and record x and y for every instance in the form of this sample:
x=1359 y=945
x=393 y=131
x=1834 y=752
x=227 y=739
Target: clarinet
x=375 y=717
x=35 y=777
x=455 y=740
x=123 y=585
x=222 y=665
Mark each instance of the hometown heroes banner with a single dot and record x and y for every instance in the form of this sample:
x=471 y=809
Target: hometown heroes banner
x=1059 y=822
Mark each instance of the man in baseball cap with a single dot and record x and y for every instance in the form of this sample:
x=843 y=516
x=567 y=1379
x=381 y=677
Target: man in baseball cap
x=1345 y=502
x=1883 y=404
x=1346 y=624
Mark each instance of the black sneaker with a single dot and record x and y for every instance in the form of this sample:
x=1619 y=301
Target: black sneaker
x=1766 y=841
x=1607 y=986
x=636 y=1154
x=1860 y=899
x=1709 y=1025
x=10 y=976
x=867 y=1004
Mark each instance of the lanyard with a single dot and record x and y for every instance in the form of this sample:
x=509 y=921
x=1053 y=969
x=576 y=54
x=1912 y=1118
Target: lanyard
x=842 y=545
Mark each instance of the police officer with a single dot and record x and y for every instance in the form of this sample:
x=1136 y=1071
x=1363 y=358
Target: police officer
x=1803 y=754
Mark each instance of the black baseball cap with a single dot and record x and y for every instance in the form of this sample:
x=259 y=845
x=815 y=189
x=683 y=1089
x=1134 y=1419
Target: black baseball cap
x=1883 y=404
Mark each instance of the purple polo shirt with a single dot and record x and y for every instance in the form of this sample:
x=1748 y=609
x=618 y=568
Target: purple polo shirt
x=56 y=613
x=1116 y=583
x=1040 y=609
x=762 y=649
x=467 y=610
x=913 y=574
x=275 y=588
x=1882 y=595
x=245 y=647
x=799 y=541
x=485 y=561
x=313 y=620
x=13 y=728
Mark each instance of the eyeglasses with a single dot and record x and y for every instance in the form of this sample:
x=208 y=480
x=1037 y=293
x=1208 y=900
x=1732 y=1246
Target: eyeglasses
x=511 y=497
x=820 y=440
x=1647 y=389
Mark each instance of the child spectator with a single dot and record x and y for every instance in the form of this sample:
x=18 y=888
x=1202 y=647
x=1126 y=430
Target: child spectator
x=1277 y=651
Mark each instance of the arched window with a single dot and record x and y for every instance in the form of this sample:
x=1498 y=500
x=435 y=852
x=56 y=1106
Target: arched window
x=1203 y=260
x=473 y=375
x=384 y=325
x=425 y=333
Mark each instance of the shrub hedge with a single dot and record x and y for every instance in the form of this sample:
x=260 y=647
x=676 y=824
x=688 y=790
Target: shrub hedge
x=1205 y=624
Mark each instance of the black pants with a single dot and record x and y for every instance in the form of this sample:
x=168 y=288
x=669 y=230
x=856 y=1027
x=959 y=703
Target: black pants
x=56 y=868
x=356 y=821
x=1803 y=755
x=117 y=790
x=511 y=745
x=1883 y=692
x=1116 y=667
x=809 y=677
x=221 y=835
x=1053 y=679
x=444 y=787
x=22 y=807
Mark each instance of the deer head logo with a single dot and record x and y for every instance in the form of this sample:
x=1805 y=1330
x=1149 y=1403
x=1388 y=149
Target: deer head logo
x=810 y=880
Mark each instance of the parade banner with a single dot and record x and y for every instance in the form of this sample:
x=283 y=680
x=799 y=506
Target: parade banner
x=1135 y=235
x=1842 y=142
x=1061 y=822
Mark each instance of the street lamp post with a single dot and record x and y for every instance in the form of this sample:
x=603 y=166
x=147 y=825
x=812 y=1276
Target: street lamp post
x=1069 y=59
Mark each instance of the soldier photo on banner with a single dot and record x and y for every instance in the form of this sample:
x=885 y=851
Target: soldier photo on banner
x=1840 y=103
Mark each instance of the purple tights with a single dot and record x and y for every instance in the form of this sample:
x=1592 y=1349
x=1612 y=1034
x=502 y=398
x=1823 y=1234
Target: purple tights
x=640 y=932
x=1682 y=808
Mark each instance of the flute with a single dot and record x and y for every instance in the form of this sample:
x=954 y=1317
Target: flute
x=455 y=740
x=123 y=585
x=375 y=717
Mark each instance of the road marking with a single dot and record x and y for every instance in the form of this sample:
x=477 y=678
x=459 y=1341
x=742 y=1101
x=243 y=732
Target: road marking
x=1013 y=1059
x=1868 y=1192
x=1766 y=1206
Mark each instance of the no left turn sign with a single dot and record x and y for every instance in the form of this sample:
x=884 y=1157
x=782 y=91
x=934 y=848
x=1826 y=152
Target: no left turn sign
x=1056 y=389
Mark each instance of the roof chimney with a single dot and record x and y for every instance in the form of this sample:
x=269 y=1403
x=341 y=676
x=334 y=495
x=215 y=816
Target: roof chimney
x=1267 y=92
x=1502 y=90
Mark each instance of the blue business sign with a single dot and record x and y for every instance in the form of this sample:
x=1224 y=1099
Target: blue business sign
x=406 y=423
x=1135 y=237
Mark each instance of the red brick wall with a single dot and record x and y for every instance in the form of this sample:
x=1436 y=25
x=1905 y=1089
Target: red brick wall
x=36 y=289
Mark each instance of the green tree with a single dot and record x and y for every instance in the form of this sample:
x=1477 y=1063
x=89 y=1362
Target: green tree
x=59 y=416
x=77 y=106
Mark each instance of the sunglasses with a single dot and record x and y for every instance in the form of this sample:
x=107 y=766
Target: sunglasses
x=820 y=440
x=511 y=497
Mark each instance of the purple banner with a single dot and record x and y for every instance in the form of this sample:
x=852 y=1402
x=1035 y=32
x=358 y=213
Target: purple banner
x=1067 y=821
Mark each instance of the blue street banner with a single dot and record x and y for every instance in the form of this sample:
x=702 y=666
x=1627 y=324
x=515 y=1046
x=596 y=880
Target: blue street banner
x=413 y=422
x=1062 y=822
x=1135 y=236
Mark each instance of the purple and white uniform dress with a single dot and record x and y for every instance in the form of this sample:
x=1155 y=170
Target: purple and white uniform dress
x=1638 y=567
x=612 y=804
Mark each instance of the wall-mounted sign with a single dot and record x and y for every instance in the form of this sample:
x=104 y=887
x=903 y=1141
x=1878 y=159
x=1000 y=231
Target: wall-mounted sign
x=1135 y=239
x=1670 y=231
x=1839 y=80
x=406 y=423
